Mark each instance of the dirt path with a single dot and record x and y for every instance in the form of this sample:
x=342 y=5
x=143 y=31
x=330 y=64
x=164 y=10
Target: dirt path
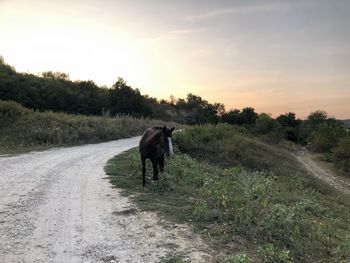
x=55 y=206
x=340 y=184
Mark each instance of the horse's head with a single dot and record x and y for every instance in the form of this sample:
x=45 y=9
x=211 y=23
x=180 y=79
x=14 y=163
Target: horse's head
x=166 y=141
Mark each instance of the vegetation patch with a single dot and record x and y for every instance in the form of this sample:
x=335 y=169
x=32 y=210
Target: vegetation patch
x=272 y=214
x=126 y=212
x=22 y=129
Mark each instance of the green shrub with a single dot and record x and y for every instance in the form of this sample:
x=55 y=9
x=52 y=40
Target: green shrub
x=265 y=124
x=11 y=111
x=341 y=156
x=325 y=137
x=270 y=254
x=238 y=258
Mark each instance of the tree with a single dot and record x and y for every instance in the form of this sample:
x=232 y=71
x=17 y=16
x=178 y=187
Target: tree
x=290 y=126
x=199 y=110
x=317 y=117
x=55 y=75
x=232 y=117
x=325 y=137
x=248 y=116
x=265 y=124
x=172 y=100
x=125 y=100
x=288 y=120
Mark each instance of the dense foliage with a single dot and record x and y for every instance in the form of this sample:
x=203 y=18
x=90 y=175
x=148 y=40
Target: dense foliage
x=55 y=91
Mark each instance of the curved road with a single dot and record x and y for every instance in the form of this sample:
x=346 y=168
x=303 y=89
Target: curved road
x=55 y=206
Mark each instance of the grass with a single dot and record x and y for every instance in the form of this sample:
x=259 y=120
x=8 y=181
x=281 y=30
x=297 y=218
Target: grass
x=126 y=212
x=22 y=129
x=271 y=213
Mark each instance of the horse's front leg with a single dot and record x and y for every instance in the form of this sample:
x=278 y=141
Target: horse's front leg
x=143 y=160
x=155 y=168
x=161 y=163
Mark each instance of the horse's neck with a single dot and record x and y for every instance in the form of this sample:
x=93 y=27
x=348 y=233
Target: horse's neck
x=154 y=138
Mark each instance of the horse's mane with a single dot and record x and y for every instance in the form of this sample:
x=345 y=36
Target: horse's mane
x=157 y=128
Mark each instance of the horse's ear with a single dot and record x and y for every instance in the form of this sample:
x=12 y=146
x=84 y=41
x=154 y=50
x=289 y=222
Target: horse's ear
x=172 y=129
x=164 y=128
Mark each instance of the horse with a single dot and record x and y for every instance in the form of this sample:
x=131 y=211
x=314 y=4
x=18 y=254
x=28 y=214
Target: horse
x=154 y=144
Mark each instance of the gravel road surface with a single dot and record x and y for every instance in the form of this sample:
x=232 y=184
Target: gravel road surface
x=340 y=184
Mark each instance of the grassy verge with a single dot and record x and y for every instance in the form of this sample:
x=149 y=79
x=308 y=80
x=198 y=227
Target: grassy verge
x=22 y=129
x=247 y=212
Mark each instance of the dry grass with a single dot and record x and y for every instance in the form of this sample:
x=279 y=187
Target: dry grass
x=23 y=129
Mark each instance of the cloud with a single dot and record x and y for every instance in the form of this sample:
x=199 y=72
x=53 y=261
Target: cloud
x=210 y=14
x=236 y=10
x=178 y=33
x=186 y=31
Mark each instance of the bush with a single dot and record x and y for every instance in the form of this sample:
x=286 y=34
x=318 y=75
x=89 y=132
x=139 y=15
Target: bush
x=10 y=111
x=341 y=156
x=269 y=253
x=265 y=124
x=325 y=137
x=238 y=258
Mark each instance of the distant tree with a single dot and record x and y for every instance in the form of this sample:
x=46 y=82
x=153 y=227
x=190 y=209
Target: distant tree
x=55 y=75
x=172 y=100
x=219 y=108
x=199 y=110
x=248 y=116
x=325 y=137
x=288 y=120
x=317 y=117
x=312 y=122
x=232 y=117
x=341 y=156
x=265 y=124
x=125 y=100
x=290 y=125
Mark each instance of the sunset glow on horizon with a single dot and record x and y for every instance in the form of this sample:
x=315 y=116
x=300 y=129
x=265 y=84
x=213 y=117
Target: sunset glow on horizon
x=275 y=56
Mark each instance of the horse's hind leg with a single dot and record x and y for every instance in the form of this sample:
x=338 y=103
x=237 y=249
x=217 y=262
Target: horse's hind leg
x=161 y=163
x=143 y=160
x=155 y=168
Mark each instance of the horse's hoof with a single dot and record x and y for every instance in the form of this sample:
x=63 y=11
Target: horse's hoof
x=155 y=178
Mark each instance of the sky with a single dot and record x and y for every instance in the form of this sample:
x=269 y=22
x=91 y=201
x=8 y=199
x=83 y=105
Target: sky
x=276 y=56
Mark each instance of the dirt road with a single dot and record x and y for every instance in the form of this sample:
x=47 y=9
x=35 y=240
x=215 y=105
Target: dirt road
x=55 y=206
x=340 y=184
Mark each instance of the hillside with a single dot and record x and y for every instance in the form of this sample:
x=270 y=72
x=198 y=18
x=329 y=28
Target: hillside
x=251 y=201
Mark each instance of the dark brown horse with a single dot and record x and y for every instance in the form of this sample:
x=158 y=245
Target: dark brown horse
x=155 y=143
